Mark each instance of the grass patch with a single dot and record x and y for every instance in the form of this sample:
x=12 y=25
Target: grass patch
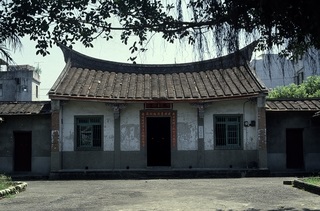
x=312 y=180
x=5 y=182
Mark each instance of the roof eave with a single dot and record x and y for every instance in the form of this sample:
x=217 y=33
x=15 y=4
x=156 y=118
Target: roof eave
x=177 y=100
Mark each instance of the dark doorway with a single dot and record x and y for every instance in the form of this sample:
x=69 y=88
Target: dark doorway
x=22 y=151
x=294 y=142
x=158 y=141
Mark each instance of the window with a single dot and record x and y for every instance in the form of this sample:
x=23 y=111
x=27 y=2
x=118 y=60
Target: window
x=299 y=78
x=37 y=91
x=1 y=90
x=228 y=132
x=89 y=132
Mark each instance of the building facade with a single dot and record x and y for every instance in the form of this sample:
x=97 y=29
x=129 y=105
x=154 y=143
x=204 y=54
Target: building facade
x=25 y=138
x=293 y=131
x=108 y=115
x=274 y=70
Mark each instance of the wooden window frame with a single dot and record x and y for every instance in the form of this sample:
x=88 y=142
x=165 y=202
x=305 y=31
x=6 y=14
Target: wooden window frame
x=228 y=134
x=91 y=132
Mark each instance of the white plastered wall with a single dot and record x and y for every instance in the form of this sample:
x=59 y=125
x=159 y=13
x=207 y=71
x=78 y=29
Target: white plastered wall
x=187 y=123
x=243 y=107
x=74 y=108
x=130 y=127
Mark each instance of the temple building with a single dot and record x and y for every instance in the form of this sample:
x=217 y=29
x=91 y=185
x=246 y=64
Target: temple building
x=117 y=116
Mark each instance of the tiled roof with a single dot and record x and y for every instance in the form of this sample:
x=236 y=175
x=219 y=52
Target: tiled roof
x=90 y=78
x=25 y=108
x=293 y=105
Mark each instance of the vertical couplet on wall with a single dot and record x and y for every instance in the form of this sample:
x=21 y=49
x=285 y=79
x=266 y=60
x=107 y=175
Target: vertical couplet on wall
x=55 y=136
x=262 y=139
x=201 y=109
x=117 y=107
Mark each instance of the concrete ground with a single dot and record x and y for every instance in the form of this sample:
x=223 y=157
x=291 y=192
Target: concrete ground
x=162 y=194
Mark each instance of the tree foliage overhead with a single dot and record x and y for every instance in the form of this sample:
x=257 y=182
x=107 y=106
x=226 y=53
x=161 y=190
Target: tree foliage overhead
x=308 y=89
x=293 y=24
x=12 y=42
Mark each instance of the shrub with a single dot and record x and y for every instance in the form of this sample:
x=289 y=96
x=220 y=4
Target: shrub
x=308 y=89
x=5 y=182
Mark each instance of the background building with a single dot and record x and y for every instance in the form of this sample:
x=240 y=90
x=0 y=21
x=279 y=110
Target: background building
x=274 y=70
x=19 y=83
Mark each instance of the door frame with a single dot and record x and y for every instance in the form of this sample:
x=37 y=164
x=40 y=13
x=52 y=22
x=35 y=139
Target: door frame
x=158 y=113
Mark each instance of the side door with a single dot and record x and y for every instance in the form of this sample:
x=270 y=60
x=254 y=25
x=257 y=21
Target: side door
x=294 y=148
x=22 y=151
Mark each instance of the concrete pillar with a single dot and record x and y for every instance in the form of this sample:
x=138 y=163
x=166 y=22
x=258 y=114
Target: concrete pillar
x=201 y=159
x=55 y=136
x=262 y=133
x=201 y=108
x=117 y=134
x=117 y=147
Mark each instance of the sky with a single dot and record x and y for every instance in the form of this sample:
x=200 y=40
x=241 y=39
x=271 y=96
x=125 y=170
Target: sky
x=159 y=52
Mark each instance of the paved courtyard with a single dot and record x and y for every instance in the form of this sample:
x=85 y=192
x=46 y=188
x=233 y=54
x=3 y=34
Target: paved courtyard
x=162 y=194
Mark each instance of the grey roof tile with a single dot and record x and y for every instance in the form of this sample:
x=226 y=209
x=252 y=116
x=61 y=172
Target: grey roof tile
x=293 y=105
x=90 y=78
x=25 y=108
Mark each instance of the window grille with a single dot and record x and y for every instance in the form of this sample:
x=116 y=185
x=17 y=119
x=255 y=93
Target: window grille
x=228 y=132
x=89 y=132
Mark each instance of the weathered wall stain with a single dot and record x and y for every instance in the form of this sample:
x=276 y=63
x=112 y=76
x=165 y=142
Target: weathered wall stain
x=130 y=137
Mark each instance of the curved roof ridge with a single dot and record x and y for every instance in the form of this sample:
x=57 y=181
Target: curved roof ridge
x=238 y=58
